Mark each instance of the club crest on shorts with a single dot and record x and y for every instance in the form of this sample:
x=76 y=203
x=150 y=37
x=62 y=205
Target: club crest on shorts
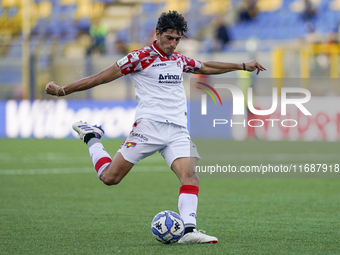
x=130 y=144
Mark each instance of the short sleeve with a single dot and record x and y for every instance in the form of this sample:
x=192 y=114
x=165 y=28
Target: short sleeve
x=130 y=63
x=190 y=65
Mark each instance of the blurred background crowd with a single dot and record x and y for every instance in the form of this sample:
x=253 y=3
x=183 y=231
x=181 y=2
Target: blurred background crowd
x=64 y=40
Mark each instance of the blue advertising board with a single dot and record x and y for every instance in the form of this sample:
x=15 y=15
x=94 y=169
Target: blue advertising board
x=54 y=118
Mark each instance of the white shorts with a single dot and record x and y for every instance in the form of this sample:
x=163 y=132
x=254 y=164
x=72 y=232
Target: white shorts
x=148 y=136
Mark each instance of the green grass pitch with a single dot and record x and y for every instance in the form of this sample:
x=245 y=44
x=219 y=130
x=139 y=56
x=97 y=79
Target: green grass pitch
x=51 y=202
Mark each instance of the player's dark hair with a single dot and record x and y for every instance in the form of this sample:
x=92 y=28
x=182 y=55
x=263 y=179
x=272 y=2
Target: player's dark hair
x=172 y=20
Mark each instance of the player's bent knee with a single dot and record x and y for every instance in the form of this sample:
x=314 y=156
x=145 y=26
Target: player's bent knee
x=110 y=180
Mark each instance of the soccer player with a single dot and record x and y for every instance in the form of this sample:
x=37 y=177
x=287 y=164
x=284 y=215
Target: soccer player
x=161 y=115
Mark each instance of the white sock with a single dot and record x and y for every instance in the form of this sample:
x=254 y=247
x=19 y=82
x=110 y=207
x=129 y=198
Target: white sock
x=187 y=204
x=100 y=158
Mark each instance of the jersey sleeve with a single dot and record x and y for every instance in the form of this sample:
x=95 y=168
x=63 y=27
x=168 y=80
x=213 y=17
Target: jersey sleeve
x=190 y=65
x=130 y=63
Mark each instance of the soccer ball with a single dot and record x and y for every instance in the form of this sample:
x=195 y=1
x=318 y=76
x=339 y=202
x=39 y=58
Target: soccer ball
x=167 y=227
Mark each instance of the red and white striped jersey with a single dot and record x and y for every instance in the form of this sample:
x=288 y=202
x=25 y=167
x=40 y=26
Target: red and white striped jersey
x=158 y=83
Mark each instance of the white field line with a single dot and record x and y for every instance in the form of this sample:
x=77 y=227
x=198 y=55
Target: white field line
x=58 y=157
x=303 y=157
x=75 y=170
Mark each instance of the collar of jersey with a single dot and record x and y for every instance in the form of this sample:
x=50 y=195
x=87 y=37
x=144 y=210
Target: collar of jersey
x=158 y=50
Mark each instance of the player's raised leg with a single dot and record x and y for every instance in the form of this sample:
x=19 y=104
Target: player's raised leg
x=116 y=171
x=110 y=171
x=188 y=200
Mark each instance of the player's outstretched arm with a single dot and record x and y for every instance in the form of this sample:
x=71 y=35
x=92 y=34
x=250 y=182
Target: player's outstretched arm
x=109 y=74
x=214 y=67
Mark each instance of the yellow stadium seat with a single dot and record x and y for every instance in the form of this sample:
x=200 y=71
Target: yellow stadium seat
x=87 y=9
x=335 y=5
x=68 y=2
x=97 y=10
x=216 y=7
x=269 y=5
x=10 y=3
x=134 y=46
x=44 y=9
x=80 y=2
x=84 y=10
x=182 y=6
x=297 y=6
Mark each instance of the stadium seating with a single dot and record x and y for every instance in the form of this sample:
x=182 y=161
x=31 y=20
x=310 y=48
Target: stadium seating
x=10 y=75
x=284 y=23
x=335 y=5
x=64 y=20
